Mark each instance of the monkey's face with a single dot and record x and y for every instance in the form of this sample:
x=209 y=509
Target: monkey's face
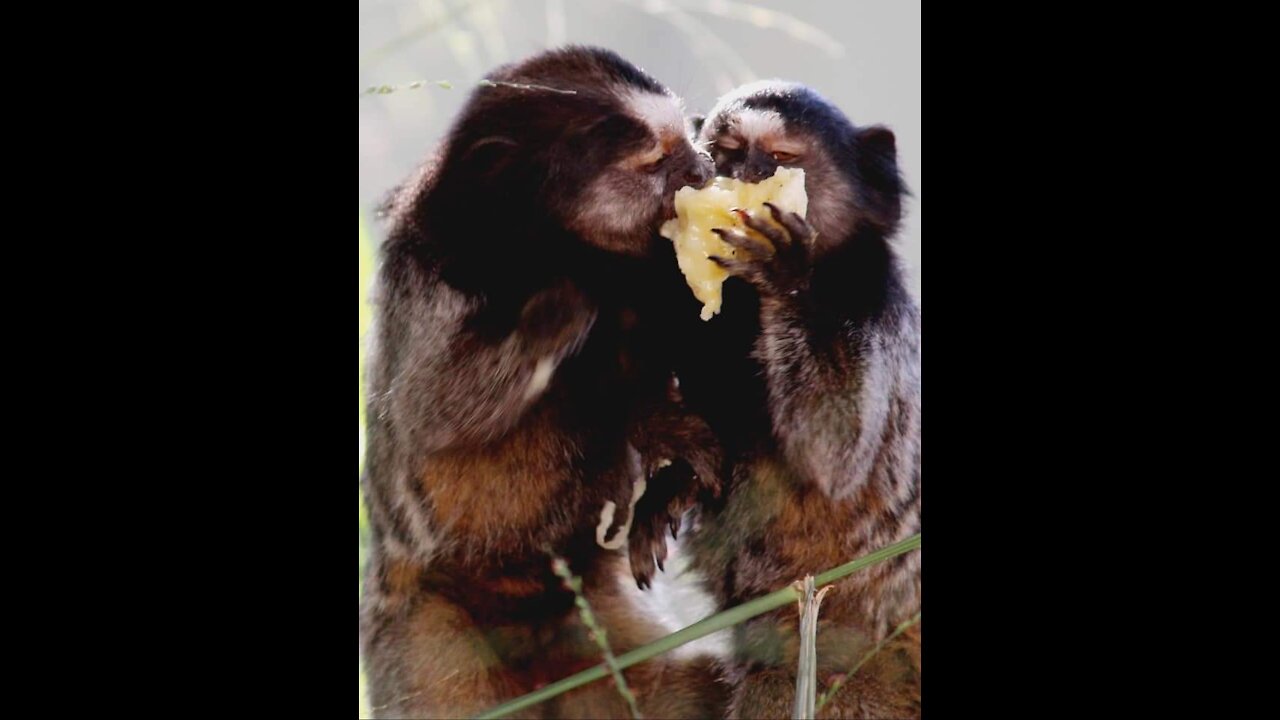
x=750 y=144
x=636 y=160
x=851 y=173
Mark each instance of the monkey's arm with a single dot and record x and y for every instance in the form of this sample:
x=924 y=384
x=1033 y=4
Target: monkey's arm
x=680 y=455
x=840 y=399
x=682 y=462
x=842 y=370
x=455 y=375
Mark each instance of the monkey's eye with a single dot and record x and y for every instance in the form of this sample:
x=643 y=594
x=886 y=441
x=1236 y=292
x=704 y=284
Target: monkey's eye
x=783 y=157
x=727 y=144
x=653 y=166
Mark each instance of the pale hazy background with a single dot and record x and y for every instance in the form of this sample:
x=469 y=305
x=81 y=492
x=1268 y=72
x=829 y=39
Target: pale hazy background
x=862 y=55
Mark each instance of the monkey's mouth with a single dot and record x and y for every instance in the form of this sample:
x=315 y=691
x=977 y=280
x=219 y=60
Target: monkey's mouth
x=668 y=208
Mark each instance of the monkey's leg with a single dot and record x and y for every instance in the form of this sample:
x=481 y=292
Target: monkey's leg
x=873 y=693
x=684 y=688
x=764 y=693
x=431 y=660
x=664 y=687
x=887 y=686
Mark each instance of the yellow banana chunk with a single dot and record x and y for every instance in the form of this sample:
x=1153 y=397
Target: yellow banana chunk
x=699 y=211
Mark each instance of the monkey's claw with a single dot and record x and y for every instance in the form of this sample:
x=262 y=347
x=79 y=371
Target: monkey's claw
x=672 y=491
x=743 y=241
x=781 y=268
x=647 y=548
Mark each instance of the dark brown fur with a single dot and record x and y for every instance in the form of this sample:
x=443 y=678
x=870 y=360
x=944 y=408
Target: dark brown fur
x=512 y=394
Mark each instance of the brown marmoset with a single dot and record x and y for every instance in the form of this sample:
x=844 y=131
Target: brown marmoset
x=514 y=402
x=810 y=378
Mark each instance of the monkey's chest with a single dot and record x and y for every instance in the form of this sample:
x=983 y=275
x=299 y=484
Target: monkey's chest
x=548 y=478
x=610 y=375
x=720 y=378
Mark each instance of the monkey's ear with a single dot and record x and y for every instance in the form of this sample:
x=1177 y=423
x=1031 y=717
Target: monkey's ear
x=878 y=140
x=696 y=122
x=383 y=209
x=882 y=183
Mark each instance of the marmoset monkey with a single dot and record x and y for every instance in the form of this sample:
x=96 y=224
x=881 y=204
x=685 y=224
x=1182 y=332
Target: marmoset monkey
x=810 y=377
x=514 y=407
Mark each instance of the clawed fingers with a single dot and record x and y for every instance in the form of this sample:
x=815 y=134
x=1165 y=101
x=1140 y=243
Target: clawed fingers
x=770 y=231
x=647 y=548
x=752 y=272
x=743 y=241
x=797 y=227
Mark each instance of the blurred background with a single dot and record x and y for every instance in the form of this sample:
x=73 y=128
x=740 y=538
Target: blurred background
x=863 y=55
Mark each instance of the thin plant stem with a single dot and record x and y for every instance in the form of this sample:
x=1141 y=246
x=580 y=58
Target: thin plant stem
x=598 y=633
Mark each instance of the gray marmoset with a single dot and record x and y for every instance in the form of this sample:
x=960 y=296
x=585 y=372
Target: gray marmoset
x=513 y=397
x=810 y=377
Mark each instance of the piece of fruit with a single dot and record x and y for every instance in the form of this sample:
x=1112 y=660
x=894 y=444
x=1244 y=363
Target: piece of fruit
x=700 y=211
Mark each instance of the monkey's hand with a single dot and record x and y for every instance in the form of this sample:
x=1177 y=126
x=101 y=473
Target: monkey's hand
x=782 y=270
x=682 y=461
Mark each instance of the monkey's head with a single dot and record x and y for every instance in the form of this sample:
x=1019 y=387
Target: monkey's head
x=577 y=141
x=851 y=173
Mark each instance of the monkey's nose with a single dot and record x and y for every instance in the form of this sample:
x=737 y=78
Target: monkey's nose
x=755 y=173
x=699 y=172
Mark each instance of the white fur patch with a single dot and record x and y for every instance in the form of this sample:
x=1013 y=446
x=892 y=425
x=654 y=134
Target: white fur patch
x=662 y=113
x=541 y=376
x=606 y=519
x=606 y=514
x=677 y=599
x=756 y=124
